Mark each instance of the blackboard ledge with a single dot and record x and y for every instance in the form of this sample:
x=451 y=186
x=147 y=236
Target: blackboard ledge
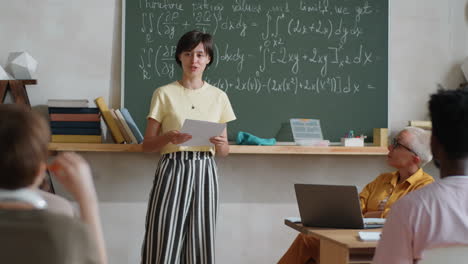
x=306 y=150
x=233 y=149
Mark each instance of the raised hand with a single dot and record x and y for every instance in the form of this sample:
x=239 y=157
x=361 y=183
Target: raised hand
x=74 y=173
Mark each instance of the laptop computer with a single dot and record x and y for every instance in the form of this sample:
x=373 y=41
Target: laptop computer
x=333 y=206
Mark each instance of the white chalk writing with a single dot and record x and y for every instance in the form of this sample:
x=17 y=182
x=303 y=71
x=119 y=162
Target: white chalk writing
x=266 y=47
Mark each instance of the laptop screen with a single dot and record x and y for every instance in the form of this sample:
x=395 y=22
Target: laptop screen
x=333 y=206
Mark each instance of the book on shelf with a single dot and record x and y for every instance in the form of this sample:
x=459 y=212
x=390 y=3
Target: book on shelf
x=73 y=110
x=72 y=121
x=78 y=124
x=77 y=138
x=67 y=103
x=75 y=117
x=131 y=123
x=127 y=129
x=109 y=120
x=75 y=131
x=119 y=124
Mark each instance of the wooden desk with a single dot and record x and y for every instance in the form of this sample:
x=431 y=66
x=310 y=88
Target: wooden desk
x=339 y=246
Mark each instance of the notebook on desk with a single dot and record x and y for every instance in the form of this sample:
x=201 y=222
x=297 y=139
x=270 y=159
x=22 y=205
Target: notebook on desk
x=333 y=206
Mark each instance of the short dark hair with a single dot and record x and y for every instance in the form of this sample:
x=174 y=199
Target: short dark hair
x=449 y=115
x=24 y=138
x=190 y=40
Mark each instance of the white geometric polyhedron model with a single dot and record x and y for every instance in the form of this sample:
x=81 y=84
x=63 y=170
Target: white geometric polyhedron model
x=4 y=75
x=21 y=65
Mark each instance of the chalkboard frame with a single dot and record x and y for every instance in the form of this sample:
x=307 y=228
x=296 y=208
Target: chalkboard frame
x=282 y=129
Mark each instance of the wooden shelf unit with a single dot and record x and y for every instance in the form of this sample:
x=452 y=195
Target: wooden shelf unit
x=234 y=149
x=95 y=147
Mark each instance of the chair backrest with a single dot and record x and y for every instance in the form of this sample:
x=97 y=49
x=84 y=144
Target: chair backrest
x=42 y=237
x=445 y=255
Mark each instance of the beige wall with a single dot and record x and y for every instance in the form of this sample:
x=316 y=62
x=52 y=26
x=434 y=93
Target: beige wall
x=77 y=44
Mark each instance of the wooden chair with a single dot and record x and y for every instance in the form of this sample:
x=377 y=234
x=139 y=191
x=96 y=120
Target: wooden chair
x=42 y=237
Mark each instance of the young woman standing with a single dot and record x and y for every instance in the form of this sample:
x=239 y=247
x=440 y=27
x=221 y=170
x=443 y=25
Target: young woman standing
x=182 y=209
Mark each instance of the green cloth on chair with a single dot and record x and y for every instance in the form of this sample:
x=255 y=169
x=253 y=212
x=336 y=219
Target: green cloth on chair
x=244 y=138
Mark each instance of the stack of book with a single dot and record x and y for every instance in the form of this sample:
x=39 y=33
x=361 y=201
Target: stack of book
x=72 y=121
x=120 y=123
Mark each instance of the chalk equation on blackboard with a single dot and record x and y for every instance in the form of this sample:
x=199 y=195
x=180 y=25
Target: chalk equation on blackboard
x=275 y=59
x=270 y=34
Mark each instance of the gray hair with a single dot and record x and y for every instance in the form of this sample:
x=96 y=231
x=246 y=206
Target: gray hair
x=420 y=143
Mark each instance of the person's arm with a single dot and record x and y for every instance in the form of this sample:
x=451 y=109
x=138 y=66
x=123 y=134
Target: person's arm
x=373 y=214
x=73 y=172
x=395 y=245
x=380 y=210
x=364 y=196
x=227 y=115
x=221 y=144
x=153 y=142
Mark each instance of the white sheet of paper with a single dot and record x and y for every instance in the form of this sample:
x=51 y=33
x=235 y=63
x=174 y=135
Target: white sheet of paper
x=369 y=236
x=201 y=132
x=374 y=221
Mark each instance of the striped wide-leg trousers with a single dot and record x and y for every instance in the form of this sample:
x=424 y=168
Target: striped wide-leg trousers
x=182 y=210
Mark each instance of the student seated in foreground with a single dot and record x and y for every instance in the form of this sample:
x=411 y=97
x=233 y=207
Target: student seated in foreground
x=29 y=232
x=408 y=152
x=436 y=216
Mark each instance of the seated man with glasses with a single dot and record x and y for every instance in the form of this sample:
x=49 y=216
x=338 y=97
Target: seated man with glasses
x=409 y=151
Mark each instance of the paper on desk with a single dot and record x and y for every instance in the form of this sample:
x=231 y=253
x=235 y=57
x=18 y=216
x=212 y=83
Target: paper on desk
x=369 y=236
x=374 y=221
x=201 y=132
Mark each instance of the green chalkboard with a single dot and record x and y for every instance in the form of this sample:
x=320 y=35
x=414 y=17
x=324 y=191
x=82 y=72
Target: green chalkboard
x=276 y=59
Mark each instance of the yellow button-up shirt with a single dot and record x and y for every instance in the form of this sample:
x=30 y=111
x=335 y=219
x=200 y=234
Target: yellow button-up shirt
x=386 y=186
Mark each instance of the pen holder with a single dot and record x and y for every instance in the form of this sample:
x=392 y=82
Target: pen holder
x=353 y=142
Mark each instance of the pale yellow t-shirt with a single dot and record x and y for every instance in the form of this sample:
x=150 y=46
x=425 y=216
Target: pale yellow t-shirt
x=172 y=104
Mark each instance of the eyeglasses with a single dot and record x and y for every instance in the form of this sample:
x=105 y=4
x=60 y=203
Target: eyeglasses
x=198 y=54
x=396 y=144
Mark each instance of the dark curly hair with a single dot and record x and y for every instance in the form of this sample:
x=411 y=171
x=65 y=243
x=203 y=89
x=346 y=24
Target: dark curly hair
x=449 y=115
